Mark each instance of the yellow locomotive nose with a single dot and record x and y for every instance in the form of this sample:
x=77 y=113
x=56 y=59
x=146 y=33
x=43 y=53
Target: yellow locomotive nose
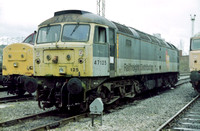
x=17 y=58
x=17 y=65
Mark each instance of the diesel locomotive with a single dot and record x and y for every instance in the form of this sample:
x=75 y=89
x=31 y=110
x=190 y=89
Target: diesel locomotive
x=79 y=56
x=194 y=61
x=1 y=61
x=1 y=57
x=17 y=65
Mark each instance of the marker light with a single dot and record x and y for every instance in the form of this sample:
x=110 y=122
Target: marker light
x=80 y=52
x=48 y=57
x=68 y=57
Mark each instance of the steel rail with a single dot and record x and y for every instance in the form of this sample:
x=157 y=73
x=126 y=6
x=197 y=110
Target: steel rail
x=164 y=125
x=182 y=81
x=23 y=119
x=60 y=122
x=16 y=98
x=67 y=120
x=46 y=126
x=2 y=89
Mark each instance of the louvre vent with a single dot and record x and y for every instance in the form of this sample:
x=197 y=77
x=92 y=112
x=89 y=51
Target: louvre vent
x=123 y=28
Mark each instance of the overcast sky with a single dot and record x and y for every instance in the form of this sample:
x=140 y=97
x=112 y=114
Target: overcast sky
x=170 y=18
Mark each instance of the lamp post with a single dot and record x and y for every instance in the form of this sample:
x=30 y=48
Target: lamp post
x=192 y=19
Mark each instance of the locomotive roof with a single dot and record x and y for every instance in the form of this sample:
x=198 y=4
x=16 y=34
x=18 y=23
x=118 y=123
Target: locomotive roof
x=84 y=16
x=196 y=36
x=143 y=36
x=77 y=16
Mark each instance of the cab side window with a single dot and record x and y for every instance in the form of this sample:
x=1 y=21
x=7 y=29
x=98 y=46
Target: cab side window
x=100 y=35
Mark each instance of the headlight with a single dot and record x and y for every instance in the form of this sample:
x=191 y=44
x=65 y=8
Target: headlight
x=62 y=70
x=30 y=67
x=15 y=64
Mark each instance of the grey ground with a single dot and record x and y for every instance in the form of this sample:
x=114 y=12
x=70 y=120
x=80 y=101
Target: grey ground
x=142 y=115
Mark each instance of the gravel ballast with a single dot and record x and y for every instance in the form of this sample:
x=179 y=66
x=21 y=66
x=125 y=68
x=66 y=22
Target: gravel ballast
x=143 y=115
x=146 y=114
x=13 y=110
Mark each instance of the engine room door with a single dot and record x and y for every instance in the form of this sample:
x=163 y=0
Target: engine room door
x=112 y=51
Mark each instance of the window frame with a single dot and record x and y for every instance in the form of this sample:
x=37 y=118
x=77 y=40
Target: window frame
x=106 y=35
x=192 y=41
x=48 y=41
x=89 y=30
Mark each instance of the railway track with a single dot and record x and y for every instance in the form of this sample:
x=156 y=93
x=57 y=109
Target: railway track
x=26 y=118
x=2 y=89
x=187 y=119
x=78 y=117
x=16 y=98
x=56 y=120
x=183 y=80
x=60 y=122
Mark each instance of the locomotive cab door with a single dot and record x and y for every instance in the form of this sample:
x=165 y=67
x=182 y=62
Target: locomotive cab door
x=112 y=51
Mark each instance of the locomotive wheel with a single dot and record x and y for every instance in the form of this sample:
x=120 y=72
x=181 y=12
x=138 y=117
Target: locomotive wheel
x=30 y=85
x=136 y=85
x=131 y=90
x=197 y=87
x=20 y=92
x=105 y=94
x=12 y=90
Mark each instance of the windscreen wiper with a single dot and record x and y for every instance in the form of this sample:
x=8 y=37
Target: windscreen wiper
x=75 y=28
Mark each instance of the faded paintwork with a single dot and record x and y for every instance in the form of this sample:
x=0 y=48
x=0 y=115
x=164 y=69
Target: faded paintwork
x=137 y=60
x=133 y=49
x=18 y=59
x=81 y=16
x=194 y=55
x=71 y=67
x=137 y=56
x=100 y=66
x=127 y=67
x=194 y=60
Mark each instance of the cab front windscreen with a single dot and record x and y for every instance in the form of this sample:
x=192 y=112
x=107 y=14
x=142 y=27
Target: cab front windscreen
x=69 y=33
x=75 y=32
x=195 y=44
x=49 y=34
